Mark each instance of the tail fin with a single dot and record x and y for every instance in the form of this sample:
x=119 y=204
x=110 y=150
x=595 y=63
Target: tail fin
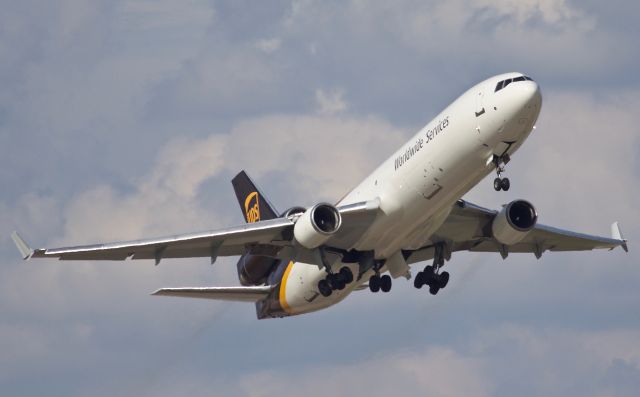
x=253 y=203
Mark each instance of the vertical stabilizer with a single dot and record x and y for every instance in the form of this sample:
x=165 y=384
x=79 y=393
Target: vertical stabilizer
x=253 y=203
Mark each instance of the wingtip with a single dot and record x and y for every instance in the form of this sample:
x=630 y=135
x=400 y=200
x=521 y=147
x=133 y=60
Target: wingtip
x=22 y=245
x=616 y=233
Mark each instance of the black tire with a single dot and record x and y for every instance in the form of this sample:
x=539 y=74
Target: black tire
x=324 y=287
x=497 y=184
x=347 y=275
x=505 y=184
x=332 y=280
x=385 y=283
x=374 y=283
x=428 y=276
x=443 y=280
x=418 y=280
x=338 y=281
x=433 y=290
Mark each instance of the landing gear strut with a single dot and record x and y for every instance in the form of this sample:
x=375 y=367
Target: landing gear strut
x=431 y=275
x=501 y=183
x=335 y=281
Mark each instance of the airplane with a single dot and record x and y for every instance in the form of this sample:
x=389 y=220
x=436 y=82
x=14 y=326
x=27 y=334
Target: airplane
x=409 y=210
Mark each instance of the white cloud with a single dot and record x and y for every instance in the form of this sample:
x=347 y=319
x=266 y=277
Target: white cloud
x=434 y=371
x=268 y=45
x=331 y=102
x=553 y=12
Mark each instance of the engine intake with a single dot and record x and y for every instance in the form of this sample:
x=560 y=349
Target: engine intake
x=316 y=225
x=514 y=222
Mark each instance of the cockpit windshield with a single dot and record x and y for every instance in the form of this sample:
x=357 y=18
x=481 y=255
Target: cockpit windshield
x=506 y=82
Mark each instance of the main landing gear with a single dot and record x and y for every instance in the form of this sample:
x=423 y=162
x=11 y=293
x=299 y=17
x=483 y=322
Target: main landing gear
x=380 y=283
x=431 y=275
x=335 y=281
x=501 y=183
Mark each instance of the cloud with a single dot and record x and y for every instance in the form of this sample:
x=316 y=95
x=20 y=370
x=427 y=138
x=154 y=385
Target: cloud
x=332 y=102
x=268 y=45
x=127 y=119
x=433 y=371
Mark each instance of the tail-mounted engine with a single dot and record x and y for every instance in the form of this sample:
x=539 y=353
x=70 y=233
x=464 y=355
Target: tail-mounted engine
x=513 y=222
x=316 y=225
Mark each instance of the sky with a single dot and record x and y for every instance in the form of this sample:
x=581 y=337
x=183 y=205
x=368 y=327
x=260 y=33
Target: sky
x=127 y=119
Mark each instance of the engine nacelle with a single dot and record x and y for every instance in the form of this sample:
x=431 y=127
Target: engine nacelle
x=293 y=211
x=254 y=269
x=514 y=222
x=316 y=225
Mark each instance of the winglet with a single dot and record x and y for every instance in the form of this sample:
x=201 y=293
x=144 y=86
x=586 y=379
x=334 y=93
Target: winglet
x=617 y=234
x=23 y=247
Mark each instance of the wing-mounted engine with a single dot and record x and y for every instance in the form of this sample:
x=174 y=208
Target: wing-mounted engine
x=316 y=225
x=514 y=222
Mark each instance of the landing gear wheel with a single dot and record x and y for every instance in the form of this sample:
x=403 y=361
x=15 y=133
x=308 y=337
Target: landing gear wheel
x=497 y=184
x=346 y=274
x=335 y=282
x=433 y=289
x=385 y=283
x=428 y=276
x=324 y=287
x=443 y=280
x=418 y=281
x=505 y=184
x=339 y=282
x=375 y=283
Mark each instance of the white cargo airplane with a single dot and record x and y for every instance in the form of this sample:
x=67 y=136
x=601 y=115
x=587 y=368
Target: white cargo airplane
x=409 y=210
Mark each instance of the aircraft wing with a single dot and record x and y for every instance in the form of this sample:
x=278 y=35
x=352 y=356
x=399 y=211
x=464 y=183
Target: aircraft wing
x=224 y=242
x=468 y=228
x=267 y=238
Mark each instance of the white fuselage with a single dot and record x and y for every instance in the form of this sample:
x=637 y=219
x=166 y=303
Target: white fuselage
x=418 y=185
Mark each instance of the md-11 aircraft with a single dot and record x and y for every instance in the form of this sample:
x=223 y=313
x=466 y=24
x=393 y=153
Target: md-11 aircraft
x=409 y=210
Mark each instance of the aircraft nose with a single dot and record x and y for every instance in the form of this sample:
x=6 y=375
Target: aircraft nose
x=528 y=93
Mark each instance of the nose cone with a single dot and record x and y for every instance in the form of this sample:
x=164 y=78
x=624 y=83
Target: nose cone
x=518 y=103
x=530 y=93
x=524 y=96
x=521 y=100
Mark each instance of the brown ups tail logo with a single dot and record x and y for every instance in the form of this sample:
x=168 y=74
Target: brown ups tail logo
x=252 y=207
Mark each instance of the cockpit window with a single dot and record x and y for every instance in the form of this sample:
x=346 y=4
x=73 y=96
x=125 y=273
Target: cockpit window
x=502 y=84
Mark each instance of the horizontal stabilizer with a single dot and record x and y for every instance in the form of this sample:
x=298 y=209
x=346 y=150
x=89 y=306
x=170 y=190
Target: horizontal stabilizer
x=23 y=247
x=237 y=294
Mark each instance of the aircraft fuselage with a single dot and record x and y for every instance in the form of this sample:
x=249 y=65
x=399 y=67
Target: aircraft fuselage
x=419 y=183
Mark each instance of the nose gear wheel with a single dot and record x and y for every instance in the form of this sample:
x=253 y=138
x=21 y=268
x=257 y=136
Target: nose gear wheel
x=501 y=183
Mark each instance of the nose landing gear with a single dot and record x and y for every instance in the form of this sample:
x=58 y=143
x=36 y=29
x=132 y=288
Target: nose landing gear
x=501 y=183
